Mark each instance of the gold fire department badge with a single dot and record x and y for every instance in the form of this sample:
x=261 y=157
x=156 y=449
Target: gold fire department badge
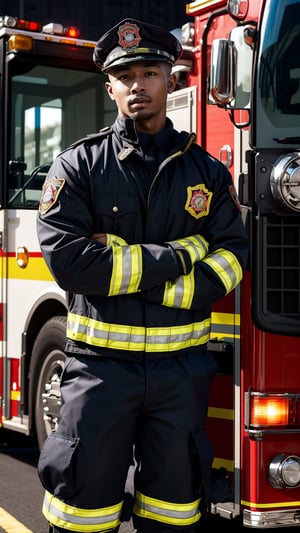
x=198 y=200
x=51 y=190
x=129 y=36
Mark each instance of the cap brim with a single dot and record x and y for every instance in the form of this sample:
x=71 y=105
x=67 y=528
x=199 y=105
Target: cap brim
x=134 y=59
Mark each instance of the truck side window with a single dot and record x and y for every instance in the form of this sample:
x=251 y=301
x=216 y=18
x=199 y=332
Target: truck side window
x=51 y=107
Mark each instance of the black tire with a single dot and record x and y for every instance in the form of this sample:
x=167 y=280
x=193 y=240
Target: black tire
x=46 y=368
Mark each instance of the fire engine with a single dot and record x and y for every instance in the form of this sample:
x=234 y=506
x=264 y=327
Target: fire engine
x=238 y=89
x=50 y=96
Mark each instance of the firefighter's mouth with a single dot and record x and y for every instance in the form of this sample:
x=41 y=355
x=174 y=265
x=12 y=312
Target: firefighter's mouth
x=139 y=100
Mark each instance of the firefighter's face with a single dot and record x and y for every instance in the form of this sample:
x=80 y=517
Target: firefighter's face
x=140 y=91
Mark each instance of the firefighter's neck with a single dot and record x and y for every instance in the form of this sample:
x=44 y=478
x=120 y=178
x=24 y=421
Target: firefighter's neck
x=148 y=123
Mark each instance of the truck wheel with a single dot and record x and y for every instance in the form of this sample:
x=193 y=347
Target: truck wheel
x=46 y=368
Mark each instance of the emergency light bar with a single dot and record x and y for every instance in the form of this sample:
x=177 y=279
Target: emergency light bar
x=58 y=29
x=52 y=28
x=14 y=22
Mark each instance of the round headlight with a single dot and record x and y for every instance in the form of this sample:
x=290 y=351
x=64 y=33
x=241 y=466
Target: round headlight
x=285 y=181
x=284 y=471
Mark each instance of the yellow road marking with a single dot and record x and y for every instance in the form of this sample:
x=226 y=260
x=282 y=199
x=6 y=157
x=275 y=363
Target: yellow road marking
x=11 y=524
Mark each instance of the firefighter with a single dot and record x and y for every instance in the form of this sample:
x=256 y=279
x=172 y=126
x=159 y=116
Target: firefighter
x=143 y=229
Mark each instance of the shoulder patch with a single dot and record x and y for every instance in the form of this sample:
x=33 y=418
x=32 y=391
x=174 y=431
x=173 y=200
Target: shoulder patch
x=50 y=192
x=198 y=201
x=234 y=196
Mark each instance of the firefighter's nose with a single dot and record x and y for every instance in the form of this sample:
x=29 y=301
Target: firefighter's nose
x=137 y=86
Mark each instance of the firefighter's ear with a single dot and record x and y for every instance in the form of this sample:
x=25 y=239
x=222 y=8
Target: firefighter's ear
x=109 y=90
x=171 y=83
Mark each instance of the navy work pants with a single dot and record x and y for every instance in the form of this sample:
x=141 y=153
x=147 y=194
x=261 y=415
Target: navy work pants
x=111 y=407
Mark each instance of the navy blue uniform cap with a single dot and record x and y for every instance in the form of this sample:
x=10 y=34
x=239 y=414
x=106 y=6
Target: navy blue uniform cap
x=132 y=40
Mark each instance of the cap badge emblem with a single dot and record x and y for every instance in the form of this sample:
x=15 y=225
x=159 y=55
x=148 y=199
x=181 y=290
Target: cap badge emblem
x=198 y=200
x=129 y=35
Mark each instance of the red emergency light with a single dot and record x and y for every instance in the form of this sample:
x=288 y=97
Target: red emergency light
x=72 y=31
x=28 y=25
x=269 y=410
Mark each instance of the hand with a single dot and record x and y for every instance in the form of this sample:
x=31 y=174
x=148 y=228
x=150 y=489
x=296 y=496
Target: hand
x=99 y=237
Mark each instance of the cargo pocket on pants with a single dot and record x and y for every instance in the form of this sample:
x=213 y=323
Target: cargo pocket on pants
x=56 y=466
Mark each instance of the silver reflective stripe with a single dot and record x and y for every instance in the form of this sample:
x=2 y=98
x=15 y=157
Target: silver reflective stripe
x=126 y=270
x=180 y=293
x=225 y=325
x=137 y=338
x=225 y=264
x=178 y=514
x=58 y=513
x=227 y=267
x=166 y=512
x=197 y=247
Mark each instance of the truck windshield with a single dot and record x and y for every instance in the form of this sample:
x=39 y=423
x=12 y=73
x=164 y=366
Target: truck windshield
x=277 y=103
x=51 y=107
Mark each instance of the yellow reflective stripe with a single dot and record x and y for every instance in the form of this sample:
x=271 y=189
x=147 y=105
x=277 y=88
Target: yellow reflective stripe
x=196 y=246
x=72 y=518
x=137 y=338
x=127 y=269
x=180 y=293
x=179 y=514
x=272 y=505
x=225 y=325
x=227 y=268
x=112 y=239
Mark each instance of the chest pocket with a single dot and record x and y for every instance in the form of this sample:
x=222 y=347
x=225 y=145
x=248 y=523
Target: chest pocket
x=119 y=214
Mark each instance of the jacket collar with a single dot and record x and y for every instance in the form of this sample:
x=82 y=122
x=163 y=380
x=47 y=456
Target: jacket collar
x=126 y=131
